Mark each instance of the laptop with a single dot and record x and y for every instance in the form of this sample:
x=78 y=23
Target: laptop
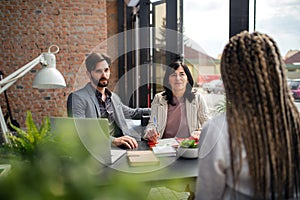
x=86 y=135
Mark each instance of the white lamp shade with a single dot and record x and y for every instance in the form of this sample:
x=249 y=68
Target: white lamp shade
x=49 y=78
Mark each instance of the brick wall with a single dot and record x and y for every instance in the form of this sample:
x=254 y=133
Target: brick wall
x=112 y=30
x=28 y=28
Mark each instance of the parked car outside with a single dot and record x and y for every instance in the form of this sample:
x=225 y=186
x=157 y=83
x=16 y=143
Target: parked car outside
x=205 y=78
x=219 y=88
x=295 y=88
x=209 y=87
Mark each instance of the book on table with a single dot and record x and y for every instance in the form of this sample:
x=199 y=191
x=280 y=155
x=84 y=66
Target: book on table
x=142 y=158
x=164 y=151
x=165 y=147
x=167 y=142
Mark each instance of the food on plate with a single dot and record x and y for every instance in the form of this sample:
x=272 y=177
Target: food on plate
x=190 y=142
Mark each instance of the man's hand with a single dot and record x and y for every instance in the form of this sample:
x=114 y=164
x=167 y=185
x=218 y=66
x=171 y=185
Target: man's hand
x=127 y=141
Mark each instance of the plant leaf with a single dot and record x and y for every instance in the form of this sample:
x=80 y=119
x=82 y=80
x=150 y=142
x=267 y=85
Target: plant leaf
x=44 y=129
x=31 y=128
x=26 y=141
x=221 y=106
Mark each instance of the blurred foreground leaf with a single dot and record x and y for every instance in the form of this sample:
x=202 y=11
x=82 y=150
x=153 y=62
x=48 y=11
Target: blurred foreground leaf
x=57 y=166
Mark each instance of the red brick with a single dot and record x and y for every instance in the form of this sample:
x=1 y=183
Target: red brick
x=28 y=28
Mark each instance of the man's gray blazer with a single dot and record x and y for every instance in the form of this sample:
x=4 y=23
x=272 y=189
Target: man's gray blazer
x=85 y=105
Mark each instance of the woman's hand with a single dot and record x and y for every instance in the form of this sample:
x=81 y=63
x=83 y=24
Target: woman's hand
x=152 y=135
x=196 y=134
x=126 y=141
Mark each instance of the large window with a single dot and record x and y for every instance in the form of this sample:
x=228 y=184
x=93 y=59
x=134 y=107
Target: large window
x=279 y=19
x=207 y=23
x=206 y=30
x=206 y=26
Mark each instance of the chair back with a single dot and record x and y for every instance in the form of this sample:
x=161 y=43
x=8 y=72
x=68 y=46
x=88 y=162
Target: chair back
x=69 y=105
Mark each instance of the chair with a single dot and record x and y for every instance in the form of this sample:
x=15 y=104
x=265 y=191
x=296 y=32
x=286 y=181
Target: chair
x=69 y=105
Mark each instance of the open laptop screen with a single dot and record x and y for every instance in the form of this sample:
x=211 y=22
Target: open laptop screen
x=91 y=134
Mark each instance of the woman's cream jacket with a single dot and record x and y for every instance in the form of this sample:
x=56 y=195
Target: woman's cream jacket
x=196 y=113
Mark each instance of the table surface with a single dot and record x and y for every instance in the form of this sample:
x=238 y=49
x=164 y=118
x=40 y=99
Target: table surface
x=170 y=168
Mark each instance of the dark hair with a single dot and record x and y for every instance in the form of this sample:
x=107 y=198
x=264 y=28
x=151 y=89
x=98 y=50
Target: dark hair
x=262 y=117
x=92 y=60
x=168 y=90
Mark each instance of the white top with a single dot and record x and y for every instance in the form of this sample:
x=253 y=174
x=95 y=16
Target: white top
x=214 y=176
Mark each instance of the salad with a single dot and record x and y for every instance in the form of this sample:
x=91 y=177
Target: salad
x=190 y=142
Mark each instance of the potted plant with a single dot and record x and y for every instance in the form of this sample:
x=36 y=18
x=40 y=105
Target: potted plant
x=24 y=143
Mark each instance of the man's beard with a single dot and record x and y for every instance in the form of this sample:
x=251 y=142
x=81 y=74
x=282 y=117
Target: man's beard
x=98 y=82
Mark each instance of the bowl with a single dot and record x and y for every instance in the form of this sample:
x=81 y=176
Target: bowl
x=188 y=152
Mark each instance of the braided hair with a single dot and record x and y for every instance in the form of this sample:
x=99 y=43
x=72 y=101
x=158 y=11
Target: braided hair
x=263 y=118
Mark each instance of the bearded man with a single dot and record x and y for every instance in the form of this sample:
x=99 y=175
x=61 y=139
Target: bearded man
x=95 y=100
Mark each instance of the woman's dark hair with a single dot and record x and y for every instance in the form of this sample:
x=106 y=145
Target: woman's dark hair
x=168 y=90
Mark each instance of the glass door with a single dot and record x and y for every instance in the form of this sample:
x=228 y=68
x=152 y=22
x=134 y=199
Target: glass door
x=166 y=39
x=159 y=45
x=156 y=41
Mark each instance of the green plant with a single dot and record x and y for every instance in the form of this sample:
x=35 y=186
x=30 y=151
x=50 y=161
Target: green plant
x=189 y=143
x=25 y=142
x=60 y=170
x=221 y=106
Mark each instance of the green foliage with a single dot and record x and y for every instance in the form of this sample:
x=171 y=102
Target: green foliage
x=26 y=142
x=52 y=176
x=221 y=107
x=189 y=143
x=59 y=167
x=55 y=176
